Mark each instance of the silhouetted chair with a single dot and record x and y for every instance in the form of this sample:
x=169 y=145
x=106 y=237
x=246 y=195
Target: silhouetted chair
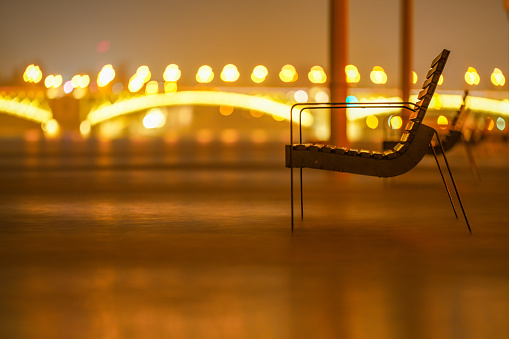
x=405 y=155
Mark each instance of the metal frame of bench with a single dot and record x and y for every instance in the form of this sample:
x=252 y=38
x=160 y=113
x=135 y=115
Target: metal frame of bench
x=414 y=144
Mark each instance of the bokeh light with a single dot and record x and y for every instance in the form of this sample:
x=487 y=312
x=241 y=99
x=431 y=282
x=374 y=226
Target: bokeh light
x=501 y=123
x=204 y=74
x=154 y=118
x=85 y=128
x=226 y=110
x=352 y=74
x=497 y=77
x=230 y=73
x=442 y=121
x=152 y=88
x=68 y=87
x=378 y=75
x=259 y=74
x=51 y=128
x=105 y=76
x=143 y=72
x=300 y=96
x=32 y=74
x=288 y=73
x=170 y=87
x=53 y=81
x=472 y=77
x=172 y=73
x=317 y=75
x=395 y=122
x=372 y=121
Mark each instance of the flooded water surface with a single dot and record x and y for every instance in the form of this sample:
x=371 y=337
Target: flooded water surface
x=154 y=240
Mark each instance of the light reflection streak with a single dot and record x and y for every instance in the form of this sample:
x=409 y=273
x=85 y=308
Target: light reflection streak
x=207 y=98
x=25 y=109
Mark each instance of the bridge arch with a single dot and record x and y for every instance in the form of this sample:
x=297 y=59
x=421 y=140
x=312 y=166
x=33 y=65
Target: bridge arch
x=203 y=98
x=25 y=109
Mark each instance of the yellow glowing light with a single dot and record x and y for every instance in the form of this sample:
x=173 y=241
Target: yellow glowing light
x=38 y=77
x=436 y=102
x=256 y=114
x=378 y=75
x=372 y=121
x=25 y=109
x=230 y=73
x=79 y=93
x=152 y=88
x=396 y=122
x=207 y=98
x=321 y=96
x=172 y=73
x=85 y=128
x=226 y=110
x=288 y=73
x=352 y=74
x=317 y=75
x=301 y=96
x=26 y=74
x=497 y=77
x=106 y=75
x=75 y=81
x=260 y=71
x=442 y=120
x=143 y=72
x=57 y=81
x=49 y=81
x=259 y=74
x=415 y=78
x=204 y=74
x=441 y=79
x=32 y=74
x=84 y=81
x=51 y=128
x=170 y=87
x=135 y=84
x=472 y=77
x=154 y=118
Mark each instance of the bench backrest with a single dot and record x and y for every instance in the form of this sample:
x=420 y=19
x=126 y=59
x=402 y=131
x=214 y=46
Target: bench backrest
x=424 y=99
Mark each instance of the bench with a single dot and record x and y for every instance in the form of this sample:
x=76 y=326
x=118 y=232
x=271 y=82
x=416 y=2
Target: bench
x=414 y=144
x=453 y=136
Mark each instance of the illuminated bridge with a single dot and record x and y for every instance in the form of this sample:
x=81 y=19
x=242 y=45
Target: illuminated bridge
x=110 y=107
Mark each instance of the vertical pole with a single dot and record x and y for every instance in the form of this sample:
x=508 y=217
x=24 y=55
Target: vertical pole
x=406 y=53
x=338 y=61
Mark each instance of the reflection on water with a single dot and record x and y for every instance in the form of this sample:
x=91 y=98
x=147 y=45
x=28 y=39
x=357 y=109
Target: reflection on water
x=247 y=302
x=134 y=241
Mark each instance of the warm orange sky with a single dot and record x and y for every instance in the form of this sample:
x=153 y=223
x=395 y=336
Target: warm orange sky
x=62 y=36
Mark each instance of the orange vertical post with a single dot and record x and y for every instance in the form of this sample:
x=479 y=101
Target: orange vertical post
x=338 y=61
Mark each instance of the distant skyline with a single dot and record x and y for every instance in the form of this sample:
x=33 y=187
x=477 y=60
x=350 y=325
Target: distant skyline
x=63 y=36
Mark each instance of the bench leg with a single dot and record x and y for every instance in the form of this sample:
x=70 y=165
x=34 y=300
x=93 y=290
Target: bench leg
x=443 y=179
x=291 y=192
x=301 y=197
x=291 y=196
x=471 y=160
x=453 y=182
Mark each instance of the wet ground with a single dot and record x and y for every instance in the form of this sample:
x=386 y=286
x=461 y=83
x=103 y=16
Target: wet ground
x=155 y=240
